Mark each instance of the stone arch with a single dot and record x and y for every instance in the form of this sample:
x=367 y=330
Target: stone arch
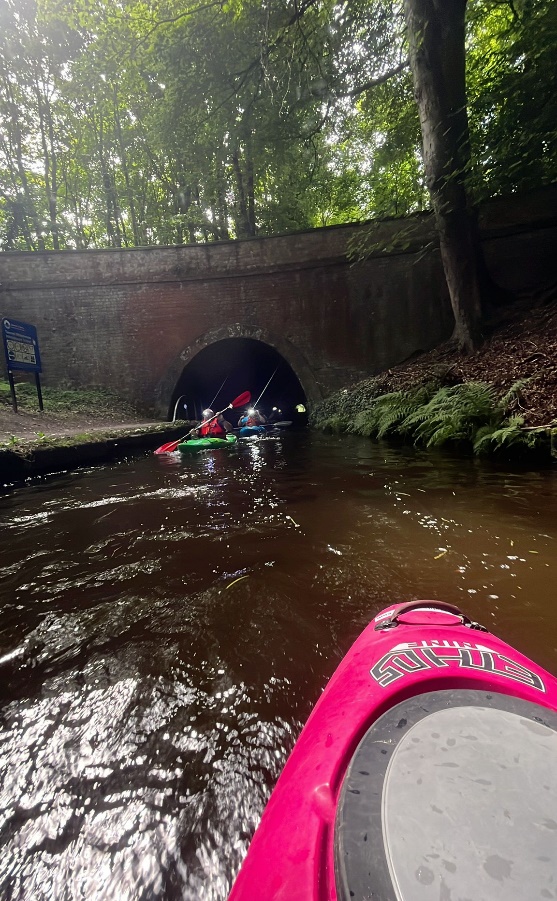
x=283 y=346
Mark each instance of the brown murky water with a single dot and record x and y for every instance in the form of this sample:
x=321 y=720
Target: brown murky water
x=168 y=624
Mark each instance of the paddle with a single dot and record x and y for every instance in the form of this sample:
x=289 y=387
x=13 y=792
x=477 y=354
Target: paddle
x=239 y=401
x=265 y=388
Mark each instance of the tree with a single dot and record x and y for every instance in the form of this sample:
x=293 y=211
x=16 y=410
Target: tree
x=512 y=103
x=130 y=123
x=436 y=39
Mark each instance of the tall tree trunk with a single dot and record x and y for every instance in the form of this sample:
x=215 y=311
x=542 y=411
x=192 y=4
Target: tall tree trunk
x=436 y=36
x=125 y=170
x=75 y=208
x=182 y=204
x=53 y=197
x=50 y=166
x=250 y=185
x=240 y=212
x=26 y=204
x=109 y=188
x=203 y=228
x=221 y=212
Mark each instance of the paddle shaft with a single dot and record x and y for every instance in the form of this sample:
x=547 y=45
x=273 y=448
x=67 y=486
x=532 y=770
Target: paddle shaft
x=265 y=388
x=219 y=391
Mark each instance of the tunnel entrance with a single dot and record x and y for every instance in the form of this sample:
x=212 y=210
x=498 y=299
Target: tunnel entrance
x=227 y=368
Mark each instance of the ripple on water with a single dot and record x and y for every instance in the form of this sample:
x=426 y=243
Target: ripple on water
x=107 y=789
x=165 y=628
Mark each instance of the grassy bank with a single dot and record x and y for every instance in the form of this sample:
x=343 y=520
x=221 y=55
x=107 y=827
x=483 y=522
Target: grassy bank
x=76 y=428
x=96 y=402
x=71 y=417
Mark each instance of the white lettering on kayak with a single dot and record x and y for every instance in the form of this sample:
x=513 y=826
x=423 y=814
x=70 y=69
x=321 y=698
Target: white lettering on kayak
x=412 y=657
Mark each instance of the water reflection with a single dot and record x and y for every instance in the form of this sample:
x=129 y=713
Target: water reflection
x=110 y=788
x=167 y=625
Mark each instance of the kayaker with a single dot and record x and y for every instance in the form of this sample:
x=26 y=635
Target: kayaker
x=217 y=427
x=252 y=417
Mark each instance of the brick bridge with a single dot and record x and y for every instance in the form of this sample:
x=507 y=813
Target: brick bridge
x=159 y=322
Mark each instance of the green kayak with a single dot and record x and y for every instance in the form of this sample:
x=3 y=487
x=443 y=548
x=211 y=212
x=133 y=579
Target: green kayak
x=200 y=444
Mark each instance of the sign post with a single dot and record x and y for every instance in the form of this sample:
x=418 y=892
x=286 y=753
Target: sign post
x=21 y=347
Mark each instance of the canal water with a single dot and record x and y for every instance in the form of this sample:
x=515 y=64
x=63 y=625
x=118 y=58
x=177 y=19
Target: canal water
x=167 y=625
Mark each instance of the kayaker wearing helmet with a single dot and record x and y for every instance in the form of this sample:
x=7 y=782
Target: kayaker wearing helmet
x=216 y=427
x=252 y=417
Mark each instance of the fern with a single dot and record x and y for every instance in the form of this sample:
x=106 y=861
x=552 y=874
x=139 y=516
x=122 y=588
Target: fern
x=369 y=421
x=410 y=403
x=430 y=415
x=385 y=413
x=335 y=424
x=392 y=418
x=509 y=435
x=512 y=394
x=453 y=415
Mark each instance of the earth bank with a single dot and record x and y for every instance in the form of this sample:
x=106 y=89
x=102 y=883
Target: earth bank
x=443 y=392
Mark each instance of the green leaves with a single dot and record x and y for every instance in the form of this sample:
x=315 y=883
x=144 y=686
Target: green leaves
x=453 y=415
x=468 y=415
x=512 y=98
x=163 y=122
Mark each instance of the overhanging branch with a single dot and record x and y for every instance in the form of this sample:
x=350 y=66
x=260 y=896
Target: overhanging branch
x=374 y=82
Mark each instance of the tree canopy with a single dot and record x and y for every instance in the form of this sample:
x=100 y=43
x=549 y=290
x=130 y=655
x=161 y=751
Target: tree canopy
x=134 y=122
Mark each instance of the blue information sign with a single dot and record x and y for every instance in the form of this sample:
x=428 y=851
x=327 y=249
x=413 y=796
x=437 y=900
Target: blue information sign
x=21 y=346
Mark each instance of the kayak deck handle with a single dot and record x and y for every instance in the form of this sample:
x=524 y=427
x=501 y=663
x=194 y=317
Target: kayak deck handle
x=393 y=621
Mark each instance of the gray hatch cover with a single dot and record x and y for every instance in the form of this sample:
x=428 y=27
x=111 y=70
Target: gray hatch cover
x=451 y=796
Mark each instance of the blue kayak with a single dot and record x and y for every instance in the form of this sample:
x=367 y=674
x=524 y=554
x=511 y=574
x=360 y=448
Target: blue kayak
x=248 y=430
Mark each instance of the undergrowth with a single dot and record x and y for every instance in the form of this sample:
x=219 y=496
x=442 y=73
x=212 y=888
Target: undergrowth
x=467 y=415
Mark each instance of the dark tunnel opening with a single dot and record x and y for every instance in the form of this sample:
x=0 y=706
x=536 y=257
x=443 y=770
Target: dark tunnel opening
x=225 y=369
